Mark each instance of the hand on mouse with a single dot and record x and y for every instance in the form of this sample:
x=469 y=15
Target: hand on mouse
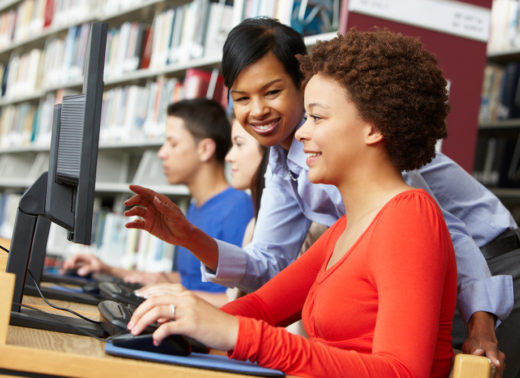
x=160 y=289
x=191 y=316
x=85 y=264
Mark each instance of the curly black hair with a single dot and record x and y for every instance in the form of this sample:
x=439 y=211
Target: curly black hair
x=394 y=82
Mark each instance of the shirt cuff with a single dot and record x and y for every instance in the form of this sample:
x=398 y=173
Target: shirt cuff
x=231 y=265
x=248 y=343
x=482 y=295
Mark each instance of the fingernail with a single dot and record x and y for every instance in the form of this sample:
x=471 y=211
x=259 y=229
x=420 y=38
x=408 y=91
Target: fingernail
x=497 y=363
x=134 y=330
x=155 y=343
x=478 y=351
x=130 y=325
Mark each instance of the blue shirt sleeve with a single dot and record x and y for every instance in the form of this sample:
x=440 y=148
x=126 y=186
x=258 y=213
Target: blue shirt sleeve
x=473 y=215
x=279 y=233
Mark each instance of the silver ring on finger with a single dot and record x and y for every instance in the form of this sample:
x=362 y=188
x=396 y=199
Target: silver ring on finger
x=172 y=309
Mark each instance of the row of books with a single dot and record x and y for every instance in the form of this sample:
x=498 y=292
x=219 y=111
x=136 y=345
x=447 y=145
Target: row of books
x=132 y=46
x=111 y=241
x=497 y=161
x=60 y=62
x=198 y=19
x=505 y=27
x=500 y=97
x=178 y=34
x=32 y=17
x=130 y=111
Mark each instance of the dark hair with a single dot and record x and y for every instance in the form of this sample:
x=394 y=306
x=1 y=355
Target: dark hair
x=250 y=40
x=205 y=118
x=395 y=83
x=258 y=180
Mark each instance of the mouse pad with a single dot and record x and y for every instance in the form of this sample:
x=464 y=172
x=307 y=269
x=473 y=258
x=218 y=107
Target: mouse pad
x=197 y=360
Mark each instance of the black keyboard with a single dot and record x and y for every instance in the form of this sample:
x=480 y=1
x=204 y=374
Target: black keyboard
x=103 y=277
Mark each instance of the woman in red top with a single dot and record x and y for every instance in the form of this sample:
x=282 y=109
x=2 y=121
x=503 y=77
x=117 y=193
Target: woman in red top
x=377 y=291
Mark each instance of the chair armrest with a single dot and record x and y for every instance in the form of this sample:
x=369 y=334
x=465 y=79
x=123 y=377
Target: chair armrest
x=471 y=366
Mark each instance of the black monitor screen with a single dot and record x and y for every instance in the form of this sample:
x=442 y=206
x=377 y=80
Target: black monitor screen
x=74 y=148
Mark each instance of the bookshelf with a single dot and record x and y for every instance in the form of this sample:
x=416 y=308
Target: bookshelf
x=497 y=157
x=158 y=51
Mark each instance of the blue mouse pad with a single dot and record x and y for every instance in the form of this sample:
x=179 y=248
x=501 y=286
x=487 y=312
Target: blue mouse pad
x=67 y=289
x=197 y=360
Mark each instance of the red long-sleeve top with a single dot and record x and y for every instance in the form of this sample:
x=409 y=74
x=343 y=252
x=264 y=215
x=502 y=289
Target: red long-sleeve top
x=383 y=310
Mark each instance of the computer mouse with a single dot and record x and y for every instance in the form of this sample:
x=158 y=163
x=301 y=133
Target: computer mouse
x=119 y=293
x=114 y=317
x=173 y=344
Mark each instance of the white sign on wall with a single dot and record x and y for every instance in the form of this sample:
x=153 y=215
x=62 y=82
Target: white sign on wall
x=448 y=16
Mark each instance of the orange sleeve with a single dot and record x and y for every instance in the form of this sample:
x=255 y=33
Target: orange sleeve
x=411 y=265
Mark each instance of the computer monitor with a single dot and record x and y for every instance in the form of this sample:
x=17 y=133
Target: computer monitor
x=65 y=194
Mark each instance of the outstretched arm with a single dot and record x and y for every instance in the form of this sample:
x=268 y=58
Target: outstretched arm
x=158 y=215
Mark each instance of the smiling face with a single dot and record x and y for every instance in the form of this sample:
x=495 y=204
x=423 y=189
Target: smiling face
x=179 y=153
x=244 y=157
x=267 y=103
x=334 y=134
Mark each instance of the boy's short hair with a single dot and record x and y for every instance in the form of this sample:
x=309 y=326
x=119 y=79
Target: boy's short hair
x=205 y=118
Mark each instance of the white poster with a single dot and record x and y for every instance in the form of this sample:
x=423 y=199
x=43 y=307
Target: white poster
x=452 y=17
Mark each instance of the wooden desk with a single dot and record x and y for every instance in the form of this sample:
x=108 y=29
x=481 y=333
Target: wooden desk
x=54 y=353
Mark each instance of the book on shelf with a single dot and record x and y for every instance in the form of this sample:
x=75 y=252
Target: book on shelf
x=7 y=27
x=197 y=82
x=43 y=120
x=504 y=27
x=135 y=47
x=24 y=74
x=48 y=13
x=69 y=71
x=8 y=208
x=513 y=174
x=490 y=96
x=188 y=31
x=496 y=161
x=197 y=43
x=146 y=53
x=509 y=104
x=17 y=121
x=163 y=25
x=219 y=23
x=312 y=17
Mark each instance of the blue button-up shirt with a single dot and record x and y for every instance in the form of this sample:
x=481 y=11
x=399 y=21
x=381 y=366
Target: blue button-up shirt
x=290 y=202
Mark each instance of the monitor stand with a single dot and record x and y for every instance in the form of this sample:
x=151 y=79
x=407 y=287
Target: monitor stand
x=30 y=236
